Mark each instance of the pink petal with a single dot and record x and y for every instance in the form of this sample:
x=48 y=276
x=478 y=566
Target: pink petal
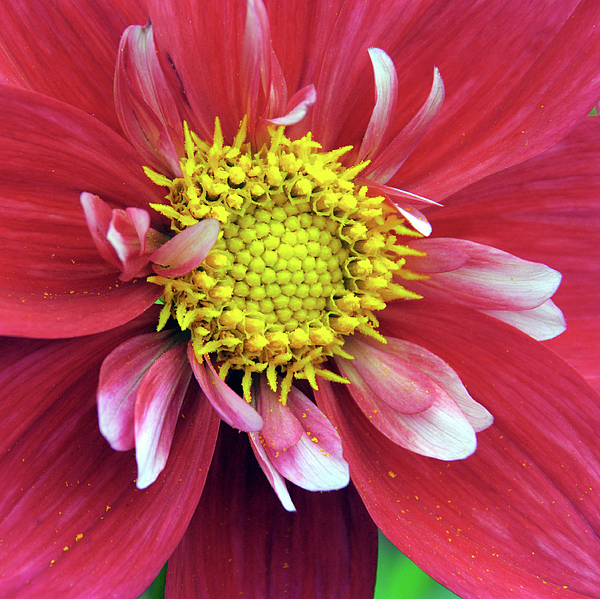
x=386 y=98
x=68 y=499
x=306 y=449
x=145 y=106
x=275 y=479
x=525 y=504
x=442 y=431
x=67 y=51
x=242 y=543
x=55 y=152
x=437 y=370
x=120 y=378
x=229 y=405
x=384 y=166
x=541 y=323
x=490 y=280
x=402 y=386
x=187 y=250
x=157 y=408
x=417 y=219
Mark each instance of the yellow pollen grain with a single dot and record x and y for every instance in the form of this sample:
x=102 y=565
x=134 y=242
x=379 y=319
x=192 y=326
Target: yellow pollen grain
x=305 y=257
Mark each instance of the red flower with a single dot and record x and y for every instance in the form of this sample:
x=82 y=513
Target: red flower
x=89 y=244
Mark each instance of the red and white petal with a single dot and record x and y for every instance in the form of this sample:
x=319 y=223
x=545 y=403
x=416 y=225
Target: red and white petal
x=542 y=323
x=121 y=375
x=157 y=405
x=187 y=250
x=490 y=280
x=297 y=107
x=234 y=410
x=241 y=542
x=275 y=479
x=145 y=105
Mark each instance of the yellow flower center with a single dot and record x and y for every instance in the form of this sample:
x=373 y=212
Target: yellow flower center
x=304 y=257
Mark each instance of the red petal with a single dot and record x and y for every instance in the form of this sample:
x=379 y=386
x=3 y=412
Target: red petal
x=67 y=50
x=241 y=542
x=524 y=511
x=72 y=522
x=54 y=281
x=157 y=407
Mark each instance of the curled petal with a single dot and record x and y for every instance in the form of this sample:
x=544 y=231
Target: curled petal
x=384 y=167
x=417 y=219
x=228 y=404
x=98 y=216
x=435 y=368
x=275 y=479
x=541 y=323
x=312 y=457
x=121 y=375
x=157 y=406
x=490 y=280
x=386 y=94
x=442 y=431
x=297 y=107
x=187 y=250
x=397 y=382
x=144 y=103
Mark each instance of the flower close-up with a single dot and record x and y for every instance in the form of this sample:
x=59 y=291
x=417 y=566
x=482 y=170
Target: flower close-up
x=276 y=275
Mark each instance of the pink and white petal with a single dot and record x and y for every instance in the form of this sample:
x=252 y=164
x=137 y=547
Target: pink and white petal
x=120 y=378
x=297 y=107
x=227 y=403
x=187 y=250
x=281 y=429
x=417 y=219
x=315 y=462
x=529 y=490
x=396 y=381
x=54 y=281
x=387 y=163
x=71 y=500
x=442 y=374
x=442 y=431
x=542 y=323
x=547 y=210
x=157 y=407
x=386 y=98
x=66 y=50
x=144 y=103
x=275 y=479
x=490 y=280
x=242 y=541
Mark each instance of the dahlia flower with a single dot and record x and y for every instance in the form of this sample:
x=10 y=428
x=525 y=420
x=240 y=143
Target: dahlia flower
x=334 y=227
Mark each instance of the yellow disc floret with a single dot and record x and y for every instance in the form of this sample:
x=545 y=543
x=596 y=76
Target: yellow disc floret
x=305 y=256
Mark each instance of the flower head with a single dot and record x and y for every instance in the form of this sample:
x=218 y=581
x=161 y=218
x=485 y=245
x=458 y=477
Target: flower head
x=269 y=185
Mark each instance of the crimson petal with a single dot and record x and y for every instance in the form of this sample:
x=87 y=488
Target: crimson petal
x=523 y=512
x=241 y=542
x=72 y=522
